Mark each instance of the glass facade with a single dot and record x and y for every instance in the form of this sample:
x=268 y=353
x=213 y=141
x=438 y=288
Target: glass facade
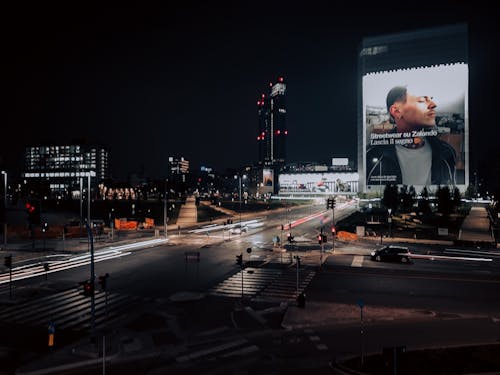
x=63 y=166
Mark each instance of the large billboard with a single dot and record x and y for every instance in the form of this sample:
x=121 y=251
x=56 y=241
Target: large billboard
x=319 y=183
x=415 y=127
x=267 y=181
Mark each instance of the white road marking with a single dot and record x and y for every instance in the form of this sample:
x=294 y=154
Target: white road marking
x=357 y=261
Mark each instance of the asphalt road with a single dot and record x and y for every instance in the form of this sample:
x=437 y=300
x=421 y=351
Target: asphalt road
x=456 y=300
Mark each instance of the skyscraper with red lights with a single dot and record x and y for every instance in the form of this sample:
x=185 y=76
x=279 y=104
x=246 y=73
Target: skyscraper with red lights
x=271 y=109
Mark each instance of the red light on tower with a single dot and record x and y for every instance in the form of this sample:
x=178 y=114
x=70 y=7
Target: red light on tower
x=278 y=132
x=280 y=79
x=286 y=132
x=30 y=207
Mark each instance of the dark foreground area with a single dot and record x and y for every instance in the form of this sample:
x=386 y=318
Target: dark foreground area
x=456 y=360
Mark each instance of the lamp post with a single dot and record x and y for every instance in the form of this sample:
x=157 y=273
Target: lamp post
x=81 y=203
x=165 y=208
x=240 y=207
x=375 y=160
x=239 y=178
x=389 y=219
x=88 y=197
x=5 y=208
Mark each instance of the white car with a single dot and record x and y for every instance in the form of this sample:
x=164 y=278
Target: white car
x=238 y=230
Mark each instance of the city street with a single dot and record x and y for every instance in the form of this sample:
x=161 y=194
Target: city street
x=192 y=287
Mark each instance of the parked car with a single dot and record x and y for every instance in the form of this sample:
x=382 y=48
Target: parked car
x=391 y=253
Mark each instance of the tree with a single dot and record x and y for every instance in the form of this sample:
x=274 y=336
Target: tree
x=444 y=200
x=423 y=203
x=407 y=198
x=457 y=198
x=471 y=192
x=390 y=197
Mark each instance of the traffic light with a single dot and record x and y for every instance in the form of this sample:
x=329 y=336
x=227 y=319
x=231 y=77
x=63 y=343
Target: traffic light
x=103 y=281
x=239 y=260
x=333 y=231
x=320 y=239
x=88 y=288
x=33 y=211
x=289 y=237
x=330 y=203
x=323 y=238
x=8 y=261
x=45 y=227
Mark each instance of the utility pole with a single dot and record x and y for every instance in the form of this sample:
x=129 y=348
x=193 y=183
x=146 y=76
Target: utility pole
x=165 y=218
x=88 y=197
x=330 y=203
x=239 y=261
x=240 y=204
x=81 y=204
x=5 y=209
x=297 y=259
x=92 y=278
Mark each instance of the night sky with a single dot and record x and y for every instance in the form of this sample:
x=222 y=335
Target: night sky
x=149 y=82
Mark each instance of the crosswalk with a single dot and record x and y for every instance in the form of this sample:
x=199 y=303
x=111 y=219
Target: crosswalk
x=265 y=283
x=68 y=309
x=57 y=263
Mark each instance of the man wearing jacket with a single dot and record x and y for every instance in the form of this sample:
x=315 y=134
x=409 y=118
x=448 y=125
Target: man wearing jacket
x=414 y=156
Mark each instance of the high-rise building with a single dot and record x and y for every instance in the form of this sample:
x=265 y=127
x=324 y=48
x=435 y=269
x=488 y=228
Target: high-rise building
x=178 y=168
x=271 y=108
x=62 y=167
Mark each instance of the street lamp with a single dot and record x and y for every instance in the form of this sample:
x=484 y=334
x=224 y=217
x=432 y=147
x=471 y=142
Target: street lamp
x=240 y=177
x=375 y=160
x=389 y=219
x=165 y=218
x=5 y=208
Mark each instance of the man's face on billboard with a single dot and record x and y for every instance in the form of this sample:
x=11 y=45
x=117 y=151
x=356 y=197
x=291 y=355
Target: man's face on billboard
x=415 y=113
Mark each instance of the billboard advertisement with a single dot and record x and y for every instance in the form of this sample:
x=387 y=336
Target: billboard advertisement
x=415 y=127
x=319 y=183
x=267 y=181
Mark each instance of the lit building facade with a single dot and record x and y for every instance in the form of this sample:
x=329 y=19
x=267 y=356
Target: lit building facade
x=178 y=169
x=271 y=109
x=62 y=167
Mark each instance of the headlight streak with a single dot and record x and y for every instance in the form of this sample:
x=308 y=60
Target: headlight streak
x=37 y=269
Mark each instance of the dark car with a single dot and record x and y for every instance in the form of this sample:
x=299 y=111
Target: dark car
x=392 y=253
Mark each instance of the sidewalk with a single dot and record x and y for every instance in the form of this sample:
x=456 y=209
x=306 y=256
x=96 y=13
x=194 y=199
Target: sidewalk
x=476 y=227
